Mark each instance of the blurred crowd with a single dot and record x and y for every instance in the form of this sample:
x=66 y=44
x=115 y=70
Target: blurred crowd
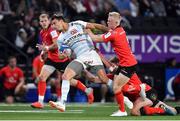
x=21 y=16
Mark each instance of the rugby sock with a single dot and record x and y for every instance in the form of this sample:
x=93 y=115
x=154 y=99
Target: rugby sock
x=147 y=87
x=151 y=110
x=65 y=90
x=58 y=92
x=120 y=100
x=41 y=90
x=110 y=83
x=80 y=86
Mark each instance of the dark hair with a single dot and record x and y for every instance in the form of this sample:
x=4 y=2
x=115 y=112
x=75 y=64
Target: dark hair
x=11 y=57
x=58 y=16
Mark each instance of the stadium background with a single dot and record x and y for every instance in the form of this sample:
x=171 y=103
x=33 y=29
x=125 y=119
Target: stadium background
x=153 y=28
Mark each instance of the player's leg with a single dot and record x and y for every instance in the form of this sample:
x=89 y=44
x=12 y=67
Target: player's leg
x=89 y=76
x=103 y=76
x=119 y=81
x=70 y=72
x=138 y=104
x=104 y=90
x=46 y=71
x=9 y=95
x=79 y=85
x=168 y=109
x=98 y=66
x=58 y=85
x=144 y=107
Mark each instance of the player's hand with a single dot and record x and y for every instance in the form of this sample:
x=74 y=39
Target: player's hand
x=39 y=46
x=42 y=47
x=62 y=55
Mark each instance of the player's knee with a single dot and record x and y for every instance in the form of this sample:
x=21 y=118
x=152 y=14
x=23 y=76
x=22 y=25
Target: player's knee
x=73 y=82
x=42 y=78
x=65 y=77
x=9 y=99
x=116 y=89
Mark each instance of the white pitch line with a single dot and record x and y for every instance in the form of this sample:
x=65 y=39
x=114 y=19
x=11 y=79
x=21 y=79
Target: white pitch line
x=40 y=111
x=68 y=105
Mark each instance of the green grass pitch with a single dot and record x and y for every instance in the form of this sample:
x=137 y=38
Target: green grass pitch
x=76 y=111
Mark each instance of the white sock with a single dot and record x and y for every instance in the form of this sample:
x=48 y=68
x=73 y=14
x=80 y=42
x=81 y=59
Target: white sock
x=65 y=90
x=41 y=99
x=110 y=83
x=128 y=103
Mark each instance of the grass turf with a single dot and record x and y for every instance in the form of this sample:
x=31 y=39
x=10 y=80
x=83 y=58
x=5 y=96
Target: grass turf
x=73 y=112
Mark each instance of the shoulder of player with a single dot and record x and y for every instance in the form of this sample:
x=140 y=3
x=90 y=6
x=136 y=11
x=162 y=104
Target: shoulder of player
x=4 y=68
x=118 y=31
x=77 y=22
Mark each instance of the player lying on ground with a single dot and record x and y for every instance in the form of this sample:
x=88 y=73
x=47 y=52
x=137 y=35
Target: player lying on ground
x=144 y=97
x=136 y=91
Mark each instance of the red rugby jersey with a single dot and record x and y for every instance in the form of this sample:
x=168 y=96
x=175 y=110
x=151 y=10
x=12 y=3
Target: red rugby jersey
x=11 y=77
x=47 y=36
x=121 y=47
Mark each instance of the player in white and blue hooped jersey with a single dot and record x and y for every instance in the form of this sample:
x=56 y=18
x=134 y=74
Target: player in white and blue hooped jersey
x=73 y=35
x=76 y=39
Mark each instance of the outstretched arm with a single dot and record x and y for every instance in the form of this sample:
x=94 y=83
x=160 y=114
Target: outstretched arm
x=97 y=26
x=95 y=38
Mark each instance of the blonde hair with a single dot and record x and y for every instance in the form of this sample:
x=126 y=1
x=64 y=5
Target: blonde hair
x=116 y=16
x=44 y=15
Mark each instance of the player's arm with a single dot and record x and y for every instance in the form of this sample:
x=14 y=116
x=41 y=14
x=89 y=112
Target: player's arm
x=62 y=55
x=21 y=82
x=95 y=38
x=97 y=26
x=87 y=25
x=106 y=62
x=52 y=46
x=54 y=35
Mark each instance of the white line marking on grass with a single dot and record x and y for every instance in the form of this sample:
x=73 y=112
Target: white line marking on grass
x=40 y=111
x=68 y=105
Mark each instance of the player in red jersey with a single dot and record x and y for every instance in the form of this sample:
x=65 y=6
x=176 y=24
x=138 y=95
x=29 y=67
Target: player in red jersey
x=13 y=80
x=150 y=105
x=127 y=61
x=37 y=66
x=135 y=91
x=144 y=97
x=53 y=61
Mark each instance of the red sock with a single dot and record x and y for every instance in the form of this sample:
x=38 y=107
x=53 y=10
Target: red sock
x=58 y=91
x=147 y=87
x=151 y=110
x=41 y=88
x=80 y=86
x=120 y=100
